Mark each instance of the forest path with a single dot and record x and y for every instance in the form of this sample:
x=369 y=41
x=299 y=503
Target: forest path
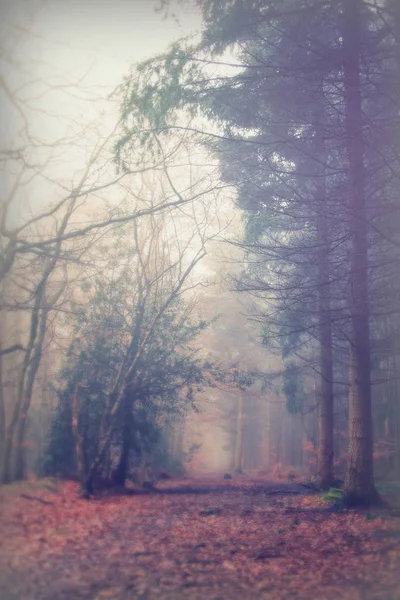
x=199 y=539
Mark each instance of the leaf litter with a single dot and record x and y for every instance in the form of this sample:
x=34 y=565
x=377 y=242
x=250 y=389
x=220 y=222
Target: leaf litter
x=198 y=539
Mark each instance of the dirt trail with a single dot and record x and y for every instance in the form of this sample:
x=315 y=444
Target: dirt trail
x=210 y=539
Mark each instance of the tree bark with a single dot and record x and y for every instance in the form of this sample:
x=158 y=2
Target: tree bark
x=238 y=458
x=325 y=413
x=268 y=459
x=79 y=441
x=359 y=480
x=120 y=474
x=2 y=405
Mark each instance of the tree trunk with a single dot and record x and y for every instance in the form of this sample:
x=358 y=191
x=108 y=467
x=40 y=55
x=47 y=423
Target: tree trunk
x=359 y=481
x=79 y=441
x=119 y=476
x=268 y=461
x=238 y=458
x=2 y=407
x=393 y=7
x=325 y=413
x=19 y=467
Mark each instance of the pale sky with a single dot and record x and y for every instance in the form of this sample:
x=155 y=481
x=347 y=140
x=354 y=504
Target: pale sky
x=97 y=40
x=48 y=43
x=72 y=35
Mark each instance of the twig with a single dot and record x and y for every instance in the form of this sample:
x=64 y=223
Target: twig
x=281 y=492
x=28 y=497
x=11 y=349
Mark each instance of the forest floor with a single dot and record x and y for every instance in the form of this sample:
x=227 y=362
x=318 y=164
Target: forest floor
x=195 y=539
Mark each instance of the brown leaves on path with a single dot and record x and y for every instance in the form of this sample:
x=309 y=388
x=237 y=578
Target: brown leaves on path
x=207 y=539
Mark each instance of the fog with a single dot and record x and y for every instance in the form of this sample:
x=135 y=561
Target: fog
x=199 y=294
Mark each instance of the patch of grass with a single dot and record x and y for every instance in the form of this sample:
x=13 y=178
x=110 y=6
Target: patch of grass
x=334 y=495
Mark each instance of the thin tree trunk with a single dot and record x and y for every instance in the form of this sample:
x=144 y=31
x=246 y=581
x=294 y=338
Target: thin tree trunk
x=359 y=481
x=268 y=462
x=120 y=474
x=284 y=453
x=238 y=458
x=394 y=11
x=325 y=413
x=79 y=441
x=2 y=406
